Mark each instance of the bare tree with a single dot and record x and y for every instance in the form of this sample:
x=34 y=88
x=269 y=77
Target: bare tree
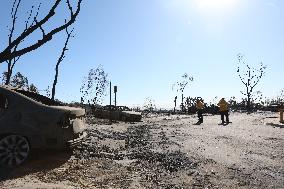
x=11 y=62
x=280 y=98
x=250 y=77
x=180 y=86
x=32 y=26
x=149 y=104
x=94 y=86
x=60 y=59
x=14 y=12
x=14 y=15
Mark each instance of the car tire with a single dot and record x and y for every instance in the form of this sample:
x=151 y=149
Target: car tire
x=14 y=150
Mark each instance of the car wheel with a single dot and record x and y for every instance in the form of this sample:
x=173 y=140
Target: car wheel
x=14 y=150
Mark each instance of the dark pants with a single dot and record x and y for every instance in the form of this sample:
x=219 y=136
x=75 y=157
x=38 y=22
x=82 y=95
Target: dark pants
x=200 y=116
x=225 y=113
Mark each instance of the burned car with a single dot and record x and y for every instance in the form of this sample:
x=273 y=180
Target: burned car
x=120 y=113
x=32 y=121
x=128 y=115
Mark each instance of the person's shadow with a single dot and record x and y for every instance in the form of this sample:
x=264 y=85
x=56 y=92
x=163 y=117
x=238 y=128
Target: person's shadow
x=38 y=161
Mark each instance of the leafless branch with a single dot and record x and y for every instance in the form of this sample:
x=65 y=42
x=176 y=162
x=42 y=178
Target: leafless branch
x=14 y=12
x=35 y=17
x=69 y=7
x=29 y=17
x=41 y=28
x=6 y=54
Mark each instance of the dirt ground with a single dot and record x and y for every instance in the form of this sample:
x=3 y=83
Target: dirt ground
x=164 y=152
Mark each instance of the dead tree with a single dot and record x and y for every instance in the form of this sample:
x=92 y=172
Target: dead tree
x=149 y=105
x=250 y=77
x=11 y=62
x=60 y=59
x=32 y=26
x=180 y=86
x=280 y=99
x=14 y=15
x=94 y=86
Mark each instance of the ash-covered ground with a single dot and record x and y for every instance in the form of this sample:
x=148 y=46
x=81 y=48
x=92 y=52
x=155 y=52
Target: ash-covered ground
x=164 y=152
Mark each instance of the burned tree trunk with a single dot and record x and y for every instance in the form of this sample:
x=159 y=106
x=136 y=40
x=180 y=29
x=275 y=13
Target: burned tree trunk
x=8 y=75
x=60 y=59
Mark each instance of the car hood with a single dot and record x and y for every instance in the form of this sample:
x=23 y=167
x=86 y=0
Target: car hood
x=77 y=111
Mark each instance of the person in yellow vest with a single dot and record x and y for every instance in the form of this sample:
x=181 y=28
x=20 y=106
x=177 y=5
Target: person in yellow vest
x=224 y=110
x=199 y=107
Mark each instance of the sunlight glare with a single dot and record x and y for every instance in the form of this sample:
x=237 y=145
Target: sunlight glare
x=216 y=6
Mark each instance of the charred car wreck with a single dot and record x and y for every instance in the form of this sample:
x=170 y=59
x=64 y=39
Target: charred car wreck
x=32 y=121
x=120 y=113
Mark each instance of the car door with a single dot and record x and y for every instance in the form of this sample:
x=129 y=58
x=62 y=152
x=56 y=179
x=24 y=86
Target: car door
x=3 y=105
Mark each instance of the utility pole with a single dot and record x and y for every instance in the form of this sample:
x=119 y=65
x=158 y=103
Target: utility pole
x=175 y=104
x=110 y=93
x=182 y=106
x=115 y=90
x=110 y=109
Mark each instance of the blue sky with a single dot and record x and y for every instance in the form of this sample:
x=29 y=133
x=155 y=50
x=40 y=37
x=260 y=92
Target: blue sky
x=147 y=45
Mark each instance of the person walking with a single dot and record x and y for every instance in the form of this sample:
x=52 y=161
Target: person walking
x=224 y=110
x=199 y=107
